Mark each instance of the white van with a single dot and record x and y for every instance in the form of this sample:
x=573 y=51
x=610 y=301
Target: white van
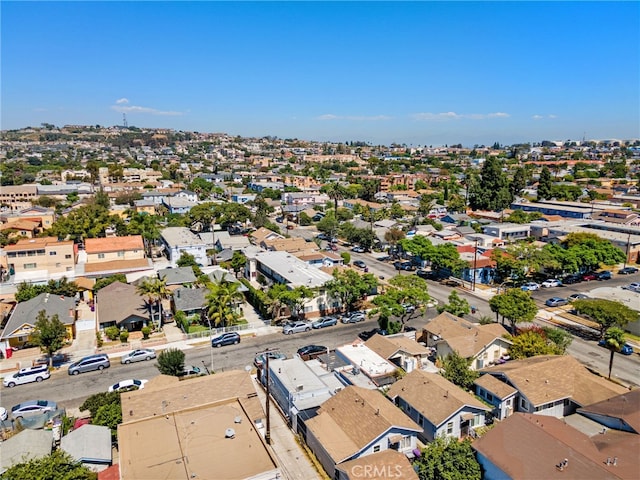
x=27 y=375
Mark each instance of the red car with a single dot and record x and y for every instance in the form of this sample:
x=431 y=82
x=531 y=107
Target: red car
x=589 y=276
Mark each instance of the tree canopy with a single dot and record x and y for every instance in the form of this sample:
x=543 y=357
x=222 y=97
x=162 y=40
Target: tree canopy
x=402 y=290
x=49 y=334
x=171 y=362
x=455 y=368
x=533 y=341
x=457 y=306
x=515 y=305
x=57 y=466
x=606 y=313
x=441 y=257
x=448 y=459
x=349 y=287
x=492 y=190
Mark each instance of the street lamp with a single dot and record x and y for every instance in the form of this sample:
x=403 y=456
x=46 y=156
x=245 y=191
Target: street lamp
x=626 y=250
x=210 y=340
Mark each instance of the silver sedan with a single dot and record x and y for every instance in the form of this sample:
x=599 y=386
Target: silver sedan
x=138 y=355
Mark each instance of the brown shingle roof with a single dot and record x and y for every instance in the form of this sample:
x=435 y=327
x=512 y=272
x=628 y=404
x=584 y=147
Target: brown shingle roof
x=626 y=407
x=386 y=347
x=547 y=378
x=435 y=397
x=117 y=265
x=496 y=387
x=528 y=447
x=354 y=417
x=462 y=336
x=387 y=463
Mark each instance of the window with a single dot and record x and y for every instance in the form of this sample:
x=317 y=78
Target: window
x=449 y=428
x=523 y=404
x=29 y=266
x=58 y=265
x=489 y=397
x=101 y=255
x=53 y=252
x=67 y=256
x=120 y=254
x=405 y=442
x=376 y=448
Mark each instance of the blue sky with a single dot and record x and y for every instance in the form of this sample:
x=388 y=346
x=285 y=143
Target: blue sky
x=419 y=73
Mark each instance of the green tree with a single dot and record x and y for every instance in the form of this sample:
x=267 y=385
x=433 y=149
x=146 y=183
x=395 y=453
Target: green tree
x=97 y=400
x=171 y=362
x=296 y=298
x=335 y=191
x=346 y=257
x=606 y=313
x=515 y=305
x=328 y=224
x=531 y=342
x=103 y=282
x=402 y=290
x=614 y=339
x=238 y=262
x=49 y=334
x=187 y=260
x=457 y=306
x=304 y=219
x=155 y=290
x=519 y=181
x=448 y=459
x=492 y=191
x=455 y=368
x=222 y=301
x=27 y=291
x=544 y=184
x=57 y=466
x=109 y=415
x=349 y=287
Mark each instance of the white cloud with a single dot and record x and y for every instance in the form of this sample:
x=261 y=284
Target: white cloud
x=353 y=118
x=123 y=108
x=427 y=116
x=122 y=101
x=540 y=117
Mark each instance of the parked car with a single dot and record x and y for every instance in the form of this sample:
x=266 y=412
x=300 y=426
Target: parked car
x=32 y=407
x=628 y=271
x=556 y=302
x=309 y=352
x=357 y=249
x=325 y=322
x=587 y=277
x=408 y=307
x=296 y=327
x=260 y=359
x=27 y=375
x=3 y=414
x=577 y=296
x=606 y=275
x=56 y=360
x=571 y=279
x=138 y=355
x=633 y=286
x=408 y=266
x=229 y=338
x=530 y=286
x=552 y=282
x=625 y=350
x=90 y=363
x=127 y=385
x=190 y=371
x=366 y=335
x=354 y=318
x=359 y=264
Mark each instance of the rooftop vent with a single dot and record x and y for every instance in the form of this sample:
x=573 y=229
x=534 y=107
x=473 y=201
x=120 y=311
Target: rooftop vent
x=238 y=419
x=229 y=433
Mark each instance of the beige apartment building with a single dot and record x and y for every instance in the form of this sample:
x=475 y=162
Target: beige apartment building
x=17 y=197
x=39 y=259
x=113 y=254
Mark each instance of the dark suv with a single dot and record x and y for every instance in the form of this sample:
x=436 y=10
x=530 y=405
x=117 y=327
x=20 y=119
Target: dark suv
x=229 y=338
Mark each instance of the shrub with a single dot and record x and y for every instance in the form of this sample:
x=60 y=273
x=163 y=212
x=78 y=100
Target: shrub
x=99 y=341
x=146 y=331
x=124 y=336
x=95 y=401
x=112 y=332
x=171 y=362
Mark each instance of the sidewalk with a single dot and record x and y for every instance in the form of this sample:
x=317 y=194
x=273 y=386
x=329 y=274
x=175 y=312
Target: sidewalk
x=291 y=458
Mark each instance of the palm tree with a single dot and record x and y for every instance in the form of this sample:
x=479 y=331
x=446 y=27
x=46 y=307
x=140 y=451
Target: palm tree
x=614 y=340
x=335 y=191
x=155 y=290
x=221 y=301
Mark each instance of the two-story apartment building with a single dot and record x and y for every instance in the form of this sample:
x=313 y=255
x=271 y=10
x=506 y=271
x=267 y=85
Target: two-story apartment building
x=508 y=232
x=177 y=240
x=40 y=259
x=112 y=254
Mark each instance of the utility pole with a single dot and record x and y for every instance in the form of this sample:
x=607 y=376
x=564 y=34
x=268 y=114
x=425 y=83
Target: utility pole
x=475 y=262
x=267 y=435
x=626 y=250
